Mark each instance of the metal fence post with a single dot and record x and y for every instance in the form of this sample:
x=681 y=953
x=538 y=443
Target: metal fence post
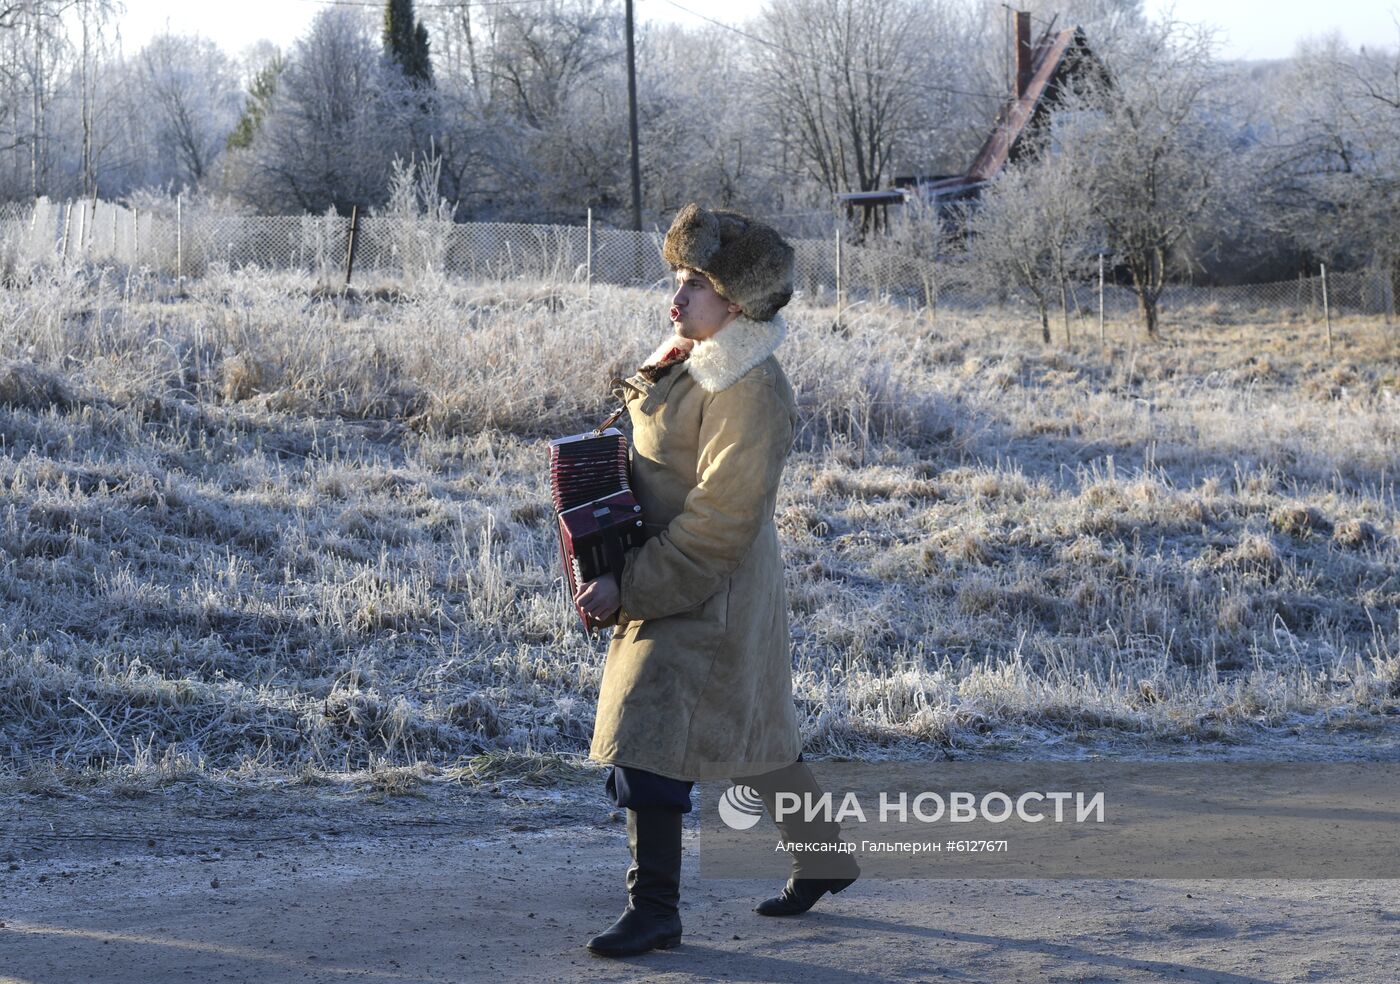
x=91 y=242
x=839 y=277
x=350 y=247
x=1102 y=340
x=179 y=243
x=588 y=259
x=67 y=221
x=1326 y=310
x=1388 y=294
x=79 y=239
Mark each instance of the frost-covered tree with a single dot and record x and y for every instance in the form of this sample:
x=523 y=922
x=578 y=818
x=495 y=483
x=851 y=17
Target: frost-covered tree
x=1034 y=232
x=190 y=88
x=698 y=147
x=1150 y=149
x=532 y=106
x=1337 y=153
x=36 y=50
x=845 y=76
x=328 y=137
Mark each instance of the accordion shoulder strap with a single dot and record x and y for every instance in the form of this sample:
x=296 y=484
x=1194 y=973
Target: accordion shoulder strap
x=612 y=418
x=652 y=372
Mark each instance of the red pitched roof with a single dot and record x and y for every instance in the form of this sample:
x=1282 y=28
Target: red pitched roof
x=1017 y=116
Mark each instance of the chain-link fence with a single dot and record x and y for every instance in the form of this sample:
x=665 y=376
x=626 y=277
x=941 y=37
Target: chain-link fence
x=181 y=241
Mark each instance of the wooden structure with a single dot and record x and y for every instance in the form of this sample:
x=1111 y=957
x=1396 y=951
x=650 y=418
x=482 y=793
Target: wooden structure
x=1043 y=69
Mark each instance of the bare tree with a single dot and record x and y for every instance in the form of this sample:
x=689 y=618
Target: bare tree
x=529 y=110
x=93 y=17
x=923 y=235
x=1337 y=154
x=1149 y=147
x=699 y=147
x=1034 y=232
x=541 y=53
x=54 y=53
x=192 y=90
x=843 y=78
x=328 y=138
x=43 y=42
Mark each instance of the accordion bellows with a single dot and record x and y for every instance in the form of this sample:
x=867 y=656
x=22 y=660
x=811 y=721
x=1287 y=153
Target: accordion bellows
x=599 y=518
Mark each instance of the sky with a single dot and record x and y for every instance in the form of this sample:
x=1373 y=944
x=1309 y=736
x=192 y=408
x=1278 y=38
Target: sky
x=1248 y=30
x=1273 y=30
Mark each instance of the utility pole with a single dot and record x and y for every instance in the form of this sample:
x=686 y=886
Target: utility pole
x=36 y=111
x=632 y=122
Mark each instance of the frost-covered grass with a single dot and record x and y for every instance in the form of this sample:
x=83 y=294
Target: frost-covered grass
x=257 y=531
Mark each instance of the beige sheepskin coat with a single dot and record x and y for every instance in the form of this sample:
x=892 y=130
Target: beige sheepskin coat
x=698 y=678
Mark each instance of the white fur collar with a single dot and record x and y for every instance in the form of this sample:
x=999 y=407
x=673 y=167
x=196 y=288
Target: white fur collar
x=720 y=360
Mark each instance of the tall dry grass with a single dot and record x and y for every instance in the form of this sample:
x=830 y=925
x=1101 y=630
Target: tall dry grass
x=261 y=531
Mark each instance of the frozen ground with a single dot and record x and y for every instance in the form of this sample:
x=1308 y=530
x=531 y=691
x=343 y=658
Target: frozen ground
x=279 y=609
x=457 y=883
x=256 y=530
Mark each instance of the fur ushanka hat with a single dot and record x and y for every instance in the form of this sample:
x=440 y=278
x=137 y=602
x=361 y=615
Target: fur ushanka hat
x=747 y=261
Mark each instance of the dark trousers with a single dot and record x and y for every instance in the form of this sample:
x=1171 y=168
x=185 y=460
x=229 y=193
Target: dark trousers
x=637 y=789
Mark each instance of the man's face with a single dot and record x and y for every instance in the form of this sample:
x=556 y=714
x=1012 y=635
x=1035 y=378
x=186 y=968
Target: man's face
x=698 y=311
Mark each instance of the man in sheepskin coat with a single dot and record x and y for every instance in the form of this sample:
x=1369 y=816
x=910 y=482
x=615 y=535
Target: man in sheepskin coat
x=698 y=678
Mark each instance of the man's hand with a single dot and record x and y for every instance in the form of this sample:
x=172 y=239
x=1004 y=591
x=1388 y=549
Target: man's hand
x=600 y=597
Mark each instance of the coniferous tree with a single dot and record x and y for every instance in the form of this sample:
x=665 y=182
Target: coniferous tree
x=260 y=94
x=406 y=42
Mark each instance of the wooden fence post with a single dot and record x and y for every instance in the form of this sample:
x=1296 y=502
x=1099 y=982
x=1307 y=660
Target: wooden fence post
x=588 y=288
x=354 y=240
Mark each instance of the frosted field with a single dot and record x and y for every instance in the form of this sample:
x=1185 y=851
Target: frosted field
x=258 y=534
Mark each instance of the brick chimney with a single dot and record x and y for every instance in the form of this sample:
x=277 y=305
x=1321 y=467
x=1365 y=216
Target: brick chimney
x=1024 y=69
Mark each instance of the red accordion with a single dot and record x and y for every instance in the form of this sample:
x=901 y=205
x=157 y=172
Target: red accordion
x=599 y=519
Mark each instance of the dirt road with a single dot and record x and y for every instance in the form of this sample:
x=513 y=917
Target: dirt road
x=465 y=886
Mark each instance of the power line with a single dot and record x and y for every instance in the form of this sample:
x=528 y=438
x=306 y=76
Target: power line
x=873 y=73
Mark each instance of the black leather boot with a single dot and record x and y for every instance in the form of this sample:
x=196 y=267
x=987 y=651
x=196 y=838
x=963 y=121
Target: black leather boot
x=652 y=919
x=799 y=895
x=814 y=873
